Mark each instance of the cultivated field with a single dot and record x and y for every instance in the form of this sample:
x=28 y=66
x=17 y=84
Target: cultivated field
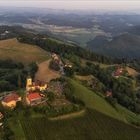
x=12 y=49
x=92 y=126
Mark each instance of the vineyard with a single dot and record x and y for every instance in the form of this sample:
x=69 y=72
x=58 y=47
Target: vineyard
x=93 y=125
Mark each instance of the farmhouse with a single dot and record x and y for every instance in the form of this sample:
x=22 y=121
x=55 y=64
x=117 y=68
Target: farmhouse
x=1 y=116
x=57 y=59
x=32 y=86
x=109 y=94
x=55 y=56
x=11 y=100
x=33 y=99
x=117 y=72
x=68 y=65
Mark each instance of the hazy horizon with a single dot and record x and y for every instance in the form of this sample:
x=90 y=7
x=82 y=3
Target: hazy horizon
x=109 y=5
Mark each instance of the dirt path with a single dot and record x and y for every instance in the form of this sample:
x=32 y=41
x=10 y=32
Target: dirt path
x=44 y=73
x=68 y=116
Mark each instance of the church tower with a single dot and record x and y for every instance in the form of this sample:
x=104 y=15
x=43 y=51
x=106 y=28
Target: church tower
x=28 y=83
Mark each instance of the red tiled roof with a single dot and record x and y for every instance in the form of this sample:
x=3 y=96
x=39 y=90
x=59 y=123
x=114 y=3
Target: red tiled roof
x=1 y=115
x=11 y=97
x=33 y=96
x=118 y=72
x=108 y=93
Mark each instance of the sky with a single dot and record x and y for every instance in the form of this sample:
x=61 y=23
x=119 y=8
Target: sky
x=76 y=4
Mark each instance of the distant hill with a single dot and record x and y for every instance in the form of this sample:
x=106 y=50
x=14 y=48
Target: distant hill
x=7 y=32
x=25 y=53
x=135 y=30
x=125 y=45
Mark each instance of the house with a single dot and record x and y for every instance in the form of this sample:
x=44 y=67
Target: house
x=118 y=72
x=1 y=116
x=57 y=59
x=33 y=98
x=38 y=85
x=109 y=94
x=68 y=65
x=1 y=124
x=11 y=100
x=55 y=56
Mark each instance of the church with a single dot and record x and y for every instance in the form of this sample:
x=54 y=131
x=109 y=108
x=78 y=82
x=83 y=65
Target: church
x=32 y=86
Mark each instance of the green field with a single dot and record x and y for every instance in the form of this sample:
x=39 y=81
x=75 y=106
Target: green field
x=94 y=101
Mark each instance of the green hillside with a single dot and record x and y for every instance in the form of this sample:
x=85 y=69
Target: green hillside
x=21 y=52
x=124 y=45
x=94 y=101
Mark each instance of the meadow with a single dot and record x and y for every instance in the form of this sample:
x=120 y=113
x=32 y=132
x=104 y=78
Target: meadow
x=25 y=53
x=94 y=101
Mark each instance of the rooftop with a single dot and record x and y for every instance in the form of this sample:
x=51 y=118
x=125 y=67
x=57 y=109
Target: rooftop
x=11 y=97
x=33 y=96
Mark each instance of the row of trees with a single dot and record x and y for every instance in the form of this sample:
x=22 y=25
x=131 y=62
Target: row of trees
x=64 y=49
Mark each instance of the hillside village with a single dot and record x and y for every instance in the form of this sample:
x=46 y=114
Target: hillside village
x=70 y=70
x=55 y=86
x=36 y=92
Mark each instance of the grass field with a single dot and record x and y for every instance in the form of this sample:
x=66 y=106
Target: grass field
x=12 y=49
x=92 y=126
x=93 y=101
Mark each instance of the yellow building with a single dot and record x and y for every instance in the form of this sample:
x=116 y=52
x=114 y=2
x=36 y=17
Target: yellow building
x=32 y=86
x=11 y=100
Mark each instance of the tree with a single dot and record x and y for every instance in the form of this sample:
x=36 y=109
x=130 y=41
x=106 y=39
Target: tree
x=50 y=96
x=54 y=66
x=69 y=71
x=19 y=81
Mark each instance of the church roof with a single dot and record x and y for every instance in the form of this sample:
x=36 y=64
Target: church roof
x=33 y=96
